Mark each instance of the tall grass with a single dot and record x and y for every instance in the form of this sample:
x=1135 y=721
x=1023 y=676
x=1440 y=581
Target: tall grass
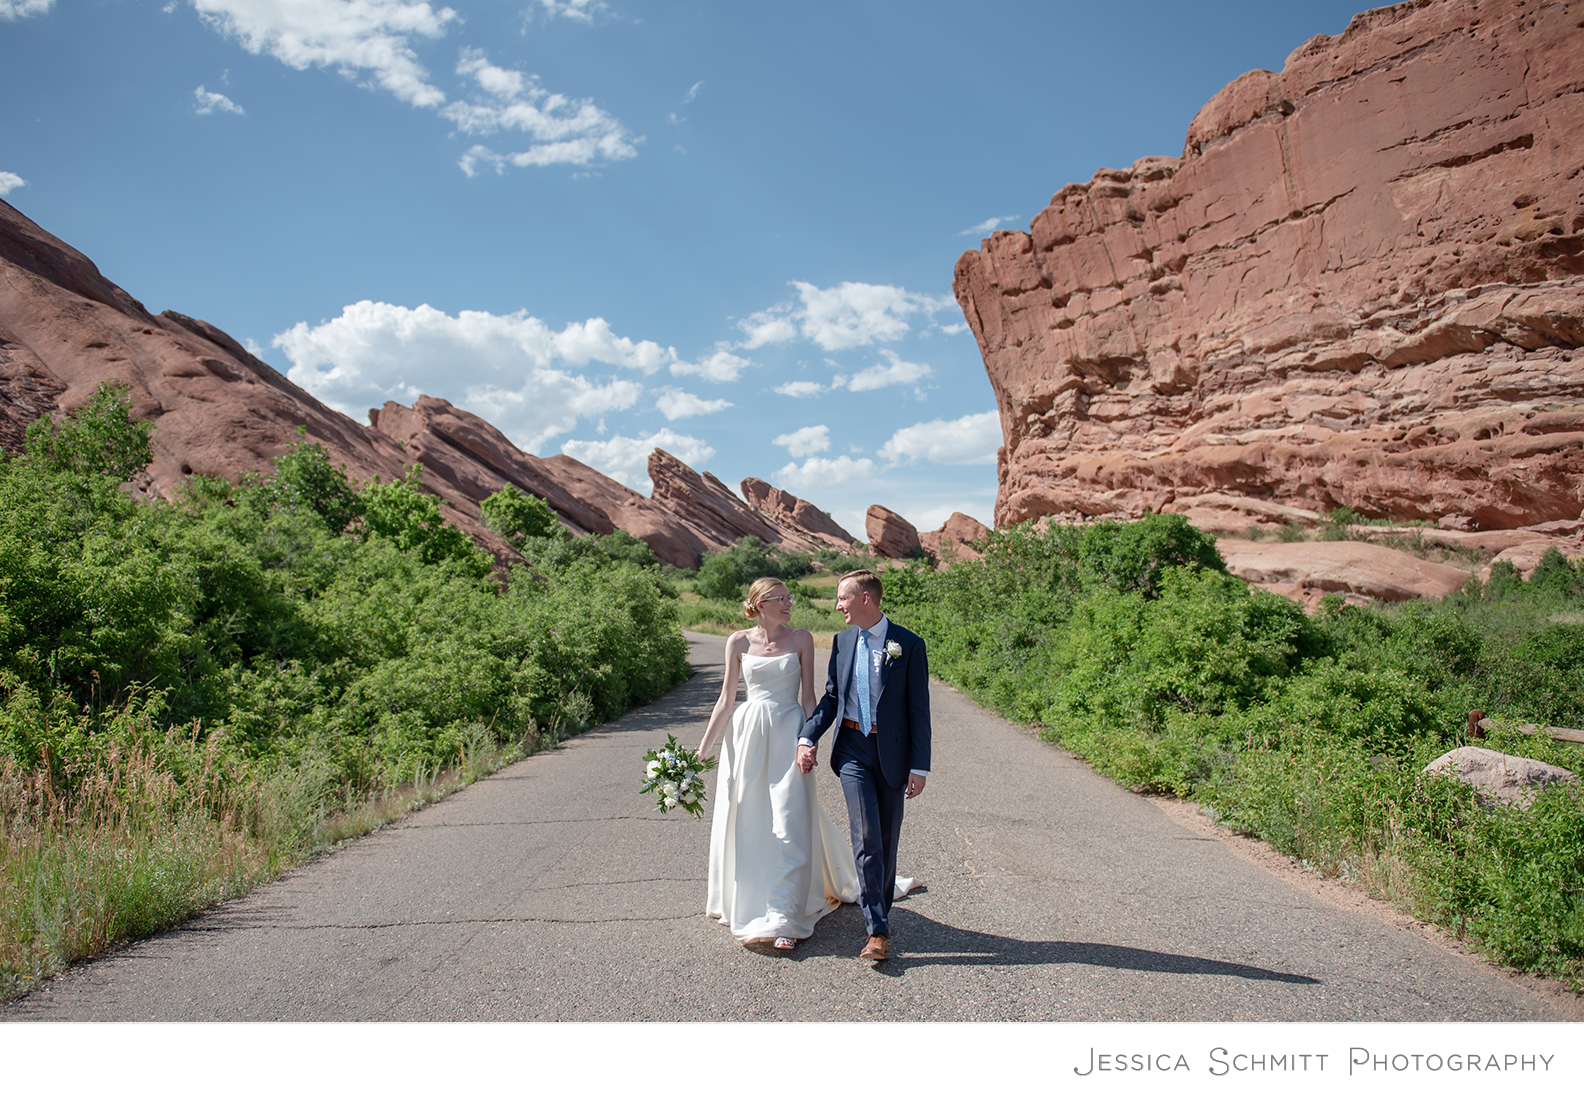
x=156 y=826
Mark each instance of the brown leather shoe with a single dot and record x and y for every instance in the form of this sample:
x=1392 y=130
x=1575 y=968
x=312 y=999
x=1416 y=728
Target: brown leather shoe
x=878 y=948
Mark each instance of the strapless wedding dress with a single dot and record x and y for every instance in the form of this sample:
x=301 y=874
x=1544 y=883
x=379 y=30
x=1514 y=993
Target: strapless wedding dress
x=777 y=862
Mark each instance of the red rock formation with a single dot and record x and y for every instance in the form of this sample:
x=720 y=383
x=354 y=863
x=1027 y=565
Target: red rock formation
x=219 y=411
x=890 y=535
x=1358 y=286
x=796 y=517
x=953 y=538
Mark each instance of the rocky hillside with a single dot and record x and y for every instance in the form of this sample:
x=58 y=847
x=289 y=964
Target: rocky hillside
x=1361 y=285
x=218 y=410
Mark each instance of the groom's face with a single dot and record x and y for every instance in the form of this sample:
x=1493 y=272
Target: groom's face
x=855 y=604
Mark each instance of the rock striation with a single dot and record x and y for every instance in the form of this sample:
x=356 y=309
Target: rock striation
x=1359 y=285
x=219 y=411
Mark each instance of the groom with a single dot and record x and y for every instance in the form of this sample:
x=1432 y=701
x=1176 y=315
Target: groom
x=879 y=688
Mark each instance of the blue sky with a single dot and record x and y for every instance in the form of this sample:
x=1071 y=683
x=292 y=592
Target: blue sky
x=726 y=229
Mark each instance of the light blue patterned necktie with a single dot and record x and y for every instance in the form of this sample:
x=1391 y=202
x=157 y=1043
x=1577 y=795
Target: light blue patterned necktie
x=864 y=662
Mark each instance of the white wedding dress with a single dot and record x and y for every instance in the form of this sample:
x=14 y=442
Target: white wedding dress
x=777 y=862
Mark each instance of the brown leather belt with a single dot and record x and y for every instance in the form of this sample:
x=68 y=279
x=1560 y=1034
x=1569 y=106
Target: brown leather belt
x=849 y=724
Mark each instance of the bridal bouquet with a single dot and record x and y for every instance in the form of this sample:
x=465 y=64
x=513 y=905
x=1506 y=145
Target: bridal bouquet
x=676 y=776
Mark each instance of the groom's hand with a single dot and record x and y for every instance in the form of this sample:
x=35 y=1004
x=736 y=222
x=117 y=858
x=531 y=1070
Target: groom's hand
x=807 y=758
x=915 y=784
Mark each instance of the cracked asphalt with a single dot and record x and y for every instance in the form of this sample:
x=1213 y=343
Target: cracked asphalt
x=554 y=891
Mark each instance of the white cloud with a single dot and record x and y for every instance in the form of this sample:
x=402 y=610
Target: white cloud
x=21 y=9
x=506 y=368
x=580 y=11
x=898 y=372
x=9 y=182
x=817 y=473
x=353 y=36
x=767 y=327
x=848 y=315
x=805 y=441
x=966 y=440
x=953 y=330
x=627 y=459
x=567 y=131
x=374 y=39
x=677 y=404
x=987 y=226
x=718 y=366
x=800 y=389
x=692 y=93
x=207 y=103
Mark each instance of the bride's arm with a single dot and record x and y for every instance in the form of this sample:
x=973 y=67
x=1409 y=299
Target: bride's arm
x=806 y=659
x=728 y=695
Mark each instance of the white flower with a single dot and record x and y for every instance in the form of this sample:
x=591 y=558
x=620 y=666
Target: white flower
x=688 y=775
x=690 y=796
x=669 y=787
x=893 y=649
x=654 y=769
x=670 y=802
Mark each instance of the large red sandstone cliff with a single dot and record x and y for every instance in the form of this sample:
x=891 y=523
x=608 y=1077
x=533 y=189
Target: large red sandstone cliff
x=1359 y=285
x=217 y=410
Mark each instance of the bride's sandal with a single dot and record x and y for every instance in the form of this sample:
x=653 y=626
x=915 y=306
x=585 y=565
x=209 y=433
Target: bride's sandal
x=785 y=944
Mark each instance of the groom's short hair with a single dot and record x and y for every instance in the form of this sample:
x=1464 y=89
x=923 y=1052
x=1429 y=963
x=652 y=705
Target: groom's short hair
x=866 y=581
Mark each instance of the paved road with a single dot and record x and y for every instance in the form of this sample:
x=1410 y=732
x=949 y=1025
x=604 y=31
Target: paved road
x=552 y=890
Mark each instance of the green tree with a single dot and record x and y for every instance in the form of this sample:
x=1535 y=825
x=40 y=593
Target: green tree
x=518 y=516
x=98 y=438
x=408 y=517
x=304 y=479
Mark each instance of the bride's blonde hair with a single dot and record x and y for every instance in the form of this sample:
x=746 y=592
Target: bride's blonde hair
x=757 y=592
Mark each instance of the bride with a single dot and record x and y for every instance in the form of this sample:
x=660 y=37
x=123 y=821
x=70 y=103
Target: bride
x=777 y=862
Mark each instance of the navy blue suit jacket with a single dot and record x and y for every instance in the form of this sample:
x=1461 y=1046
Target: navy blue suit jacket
x=903 y=712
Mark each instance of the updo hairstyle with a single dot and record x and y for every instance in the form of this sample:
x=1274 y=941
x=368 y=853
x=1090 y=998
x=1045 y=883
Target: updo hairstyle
x=757 y=592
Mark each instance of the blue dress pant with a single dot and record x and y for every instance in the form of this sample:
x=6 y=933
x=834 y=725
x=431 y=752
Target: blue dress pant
x=874 y=814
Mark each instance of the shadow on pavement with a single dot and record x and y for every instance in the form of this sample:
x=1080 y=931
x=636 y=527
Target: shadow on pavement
x=921 y=942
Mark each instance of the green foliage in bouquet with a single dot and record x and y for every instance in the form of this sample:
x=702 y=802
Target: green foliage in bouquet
x=676 y=776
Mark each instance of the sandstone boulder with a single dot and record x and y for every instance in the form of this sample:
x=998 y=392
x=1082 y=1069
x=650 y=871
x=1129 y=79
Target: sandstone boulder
x=1307 y=571
x=1358 y=285
x=1497 y=777
x=953 y=539
x=890 y=535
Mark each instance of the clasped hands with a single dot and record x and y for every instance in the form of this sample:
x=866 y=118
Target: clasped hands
x=807 y=758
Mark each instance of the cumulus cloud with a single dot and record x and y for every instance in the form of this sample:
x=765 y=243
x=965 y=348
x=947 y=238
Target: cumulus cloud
x=371 y=38
x=718 y=366
x=207 y=103
x=848 y=315
x=579 y=11
x=897 y=372
x=805 y=441
x=626 y=458
x=511 y=369
x=9 y=182
x=817 y=473
x=21 y=9
x=801 y=389
x=966 y=440
x=677 y=404
x=987 y=226
x=565 y=131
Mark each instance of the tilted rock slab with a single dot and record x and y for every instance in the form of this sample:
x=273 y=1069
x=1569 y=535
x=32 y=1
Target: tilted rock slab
x=953 y=539
x=219 y=411
x=890 y=534
x=1359 y=285
x=800 y=519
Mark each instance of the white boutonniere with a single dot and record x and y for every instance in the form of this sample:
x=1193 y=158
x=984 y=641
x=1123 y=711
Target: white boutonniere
x=893 y=650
